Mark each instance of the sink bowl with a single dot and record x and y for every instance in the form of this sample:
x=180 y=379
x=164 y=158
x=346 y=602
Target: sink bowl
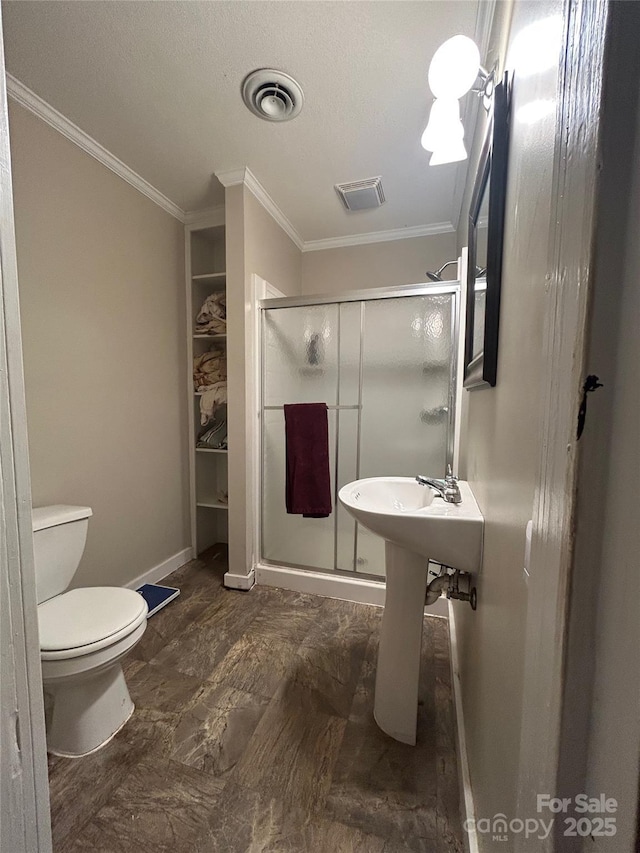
x=418 y=526
x=413 y=516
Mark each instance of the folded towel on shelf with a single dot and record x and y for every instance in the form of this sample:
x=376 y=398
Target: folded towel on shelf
x=213 y=434
x=212 y=316
x=308 y=478
x=209 y=368
x=211 y=398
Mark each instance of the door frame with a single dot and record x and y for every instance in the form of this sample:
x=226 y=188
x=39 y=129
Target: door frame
x=25 y=823
x=568 y=289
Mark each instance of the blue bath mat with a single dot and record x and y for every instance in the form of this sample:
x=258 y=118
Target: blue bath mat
x=157 y=596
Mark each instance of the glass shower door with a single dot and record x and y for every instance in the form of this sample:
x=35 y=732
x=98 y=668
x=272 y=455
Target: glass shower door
x=407 y=397
x=300 y=363
x=385 y=368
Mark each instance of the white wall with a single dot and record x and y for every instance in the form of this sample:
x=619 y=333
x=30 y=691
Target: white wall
x=501 y=440
x=101 y=278
x=255 y=245
x=387 y=264
x=269 y=252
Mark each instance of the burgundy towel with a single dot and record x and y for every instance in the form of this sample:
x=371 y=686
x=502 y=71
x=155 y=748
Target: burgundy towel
x=308 y=486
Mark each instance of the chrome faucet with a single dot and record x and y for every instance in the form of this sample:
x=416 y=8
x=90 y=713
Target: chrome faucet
x=447 y=489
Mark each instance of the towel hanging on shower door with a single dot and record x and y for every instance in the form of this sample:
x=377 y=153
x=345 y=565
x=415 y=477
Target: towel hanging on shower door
x=308 y=477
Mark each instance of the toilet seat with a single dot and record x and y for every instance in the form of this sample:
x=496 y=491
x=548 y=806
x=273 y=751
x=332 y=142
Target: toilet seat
x=85 y=620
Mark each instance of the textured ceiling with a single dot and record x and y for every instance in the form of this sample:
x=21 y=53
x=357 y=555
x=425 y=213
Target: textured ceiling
x=158 y=85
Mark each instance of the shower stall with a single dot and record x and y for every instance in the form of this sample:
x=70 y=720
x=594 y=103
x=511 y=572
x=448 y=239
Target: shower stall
x=384 y=362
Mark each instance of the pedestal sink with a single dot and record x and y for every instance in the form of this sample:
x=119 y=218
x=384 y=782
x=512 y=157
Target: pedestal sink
x=418 y=526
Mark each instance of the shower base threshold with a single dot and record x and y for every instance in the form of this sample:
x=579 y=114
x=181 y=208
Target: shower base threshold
x=359 y=590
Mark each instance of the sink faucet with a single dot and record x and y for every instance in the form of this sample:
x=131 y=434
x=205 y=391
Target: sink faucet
x=447 y=489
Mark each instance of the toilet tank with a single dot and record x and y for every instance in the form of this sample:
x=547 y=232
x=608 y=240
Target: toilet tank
x=59 y=536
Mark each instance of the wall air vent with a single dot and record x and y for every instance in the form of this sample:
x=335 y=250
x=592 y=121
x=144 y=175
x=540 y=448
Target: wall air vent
x=272 y=95
x=361 y=195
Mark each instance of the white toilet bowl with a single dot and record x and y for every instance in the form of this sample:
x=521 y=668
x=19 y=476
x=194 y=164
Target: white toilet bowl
x=84 y=634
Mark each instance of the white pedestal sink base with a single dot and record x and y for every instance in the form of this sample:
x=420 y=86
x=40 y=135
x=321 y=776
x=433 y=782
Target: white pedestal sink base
x=400 y=509
x=398 y=672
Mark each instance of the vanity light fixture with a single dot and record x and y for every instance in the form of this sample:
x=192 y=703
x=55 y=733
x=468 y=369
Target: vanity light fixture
x=454 y=67
x=453 y=153
x=453 y=71
x=444 y=126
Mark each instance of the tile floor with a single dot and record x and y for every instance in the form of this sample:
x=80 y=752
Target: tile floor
x=253 y=733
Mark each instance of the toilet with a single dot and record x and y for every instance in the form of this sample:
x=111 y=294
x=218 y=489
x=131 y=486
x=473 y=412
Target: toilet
x=84 y=635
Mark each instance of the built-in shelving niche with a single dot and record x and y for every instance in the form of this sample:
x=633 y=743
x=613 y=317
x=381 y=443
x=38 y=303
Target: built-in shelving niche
x=206 y=273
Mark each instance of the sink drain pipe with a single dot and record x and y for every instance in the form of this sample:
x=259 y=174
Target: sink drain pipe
x=450 y=584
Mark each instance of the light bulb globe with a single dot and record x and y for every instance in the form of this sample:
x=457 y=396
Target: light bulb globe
x=452 y=153
x=444 y=126
x=454 y=67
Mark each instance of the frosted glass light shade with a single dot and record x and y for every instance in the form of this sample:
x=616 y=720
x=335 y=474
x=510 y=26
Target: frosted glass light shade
x=454 y=67
x=444 y=124
x=453 y=153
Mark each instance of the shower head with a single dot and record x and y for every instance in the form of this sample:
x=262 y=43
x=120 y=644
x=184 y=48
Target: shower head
x=437 y=275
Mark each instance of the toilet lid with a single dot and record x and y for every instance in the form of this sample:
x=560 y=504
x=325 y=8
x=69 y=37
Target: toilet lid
x=88 y=615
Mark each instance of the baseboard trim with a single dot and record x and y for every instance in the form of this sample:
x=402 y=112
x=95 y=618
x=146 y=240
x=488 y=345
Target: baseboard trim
x=358 y=590
x=233 y=581
x=469 y=809
x=157 y=573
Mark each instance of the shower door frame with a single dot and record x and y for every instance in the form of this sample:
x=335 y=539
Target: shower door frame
x=452 y=288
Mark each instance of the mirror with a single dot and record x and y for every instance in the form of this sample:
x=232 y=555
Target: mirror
x=485 y=240
x=480 y=280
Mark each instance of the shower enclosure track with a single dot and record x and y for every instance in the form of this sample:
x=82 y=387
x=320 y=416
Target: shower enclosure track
x=367 y=295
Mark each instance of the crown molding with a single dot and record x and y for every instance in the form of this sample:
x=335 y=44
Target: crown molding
x=379 y=236
x=232 y=177
x=207 y=217
x=24 y=96
x=245 y=176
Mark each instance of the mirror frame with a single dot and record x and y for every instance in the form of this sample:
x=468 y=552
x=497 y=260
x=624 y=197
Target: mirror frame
x=481 y=371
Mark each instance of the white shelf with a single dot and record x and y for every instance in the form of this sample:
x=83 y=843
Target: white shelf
x=209 y=276
x=210 y=337
x=211 y=449
x=212 y=505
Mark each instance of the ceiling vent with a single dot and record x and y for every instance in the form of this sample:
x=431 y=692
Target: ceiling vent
x=272 y=95
x=361 y=195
